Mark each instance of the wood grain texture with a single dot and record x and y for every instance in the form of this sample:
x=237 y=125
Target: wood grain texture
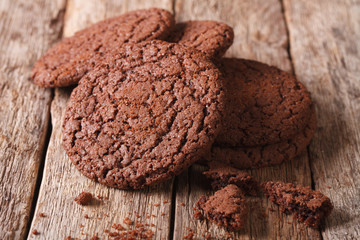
x=26 y=30
x=325 y=48
x=260 y=34
x=62 y=182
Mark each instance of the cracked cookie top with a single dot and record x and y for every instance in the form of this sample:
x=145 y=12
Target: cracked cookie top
x=264 y=104
x=210 y=37
x=143 y=115
x=66 y=62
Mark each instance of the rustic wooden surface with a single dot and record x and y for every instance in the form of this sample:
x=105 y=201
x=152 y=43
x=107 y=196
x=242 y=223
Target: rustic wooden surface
x=26 y=31
x=325 y=47
x=318 y=41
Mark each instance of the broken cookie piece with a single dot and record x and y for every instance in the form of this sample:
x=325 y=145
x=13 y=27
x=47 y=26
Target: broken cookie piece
x=222 y=175
x=227 y=207
x=307 y=205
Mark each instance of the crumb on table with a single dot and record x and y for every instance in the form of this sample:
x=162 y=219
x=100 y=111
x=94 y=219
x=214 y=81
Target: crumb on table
x=84 y=198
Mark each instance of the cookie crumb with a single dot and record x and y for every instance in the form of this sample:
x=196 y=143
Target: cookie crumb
x=127 y=221
x=86 y=216
x=95 y=238
x=198 y=215
x=118 y=227
x=113 y=234
x=35 y=232
x=41 y=214
x=189 y=236
x=84 y=198
x=68 y=238
x=156 y=204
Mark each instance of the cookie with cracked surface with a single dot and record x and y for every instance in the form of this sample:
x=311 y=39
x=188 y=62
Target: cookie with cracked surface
x=262 y=156
x=221 y=175
x=144 y=115
x=307 y=205
x=226 y=208
x=210 y=37
x=265 y=105
x=70 y=59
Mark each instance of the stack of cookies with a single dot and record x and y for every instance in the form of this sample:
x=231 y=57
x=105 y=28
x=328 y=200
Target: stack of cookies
x=154 y=97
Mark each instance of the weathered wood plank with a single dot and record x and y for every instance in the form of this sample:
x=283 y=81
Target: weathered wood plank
x=62 y=182
x=260 y=34
x=26 y=30
x=325 y=48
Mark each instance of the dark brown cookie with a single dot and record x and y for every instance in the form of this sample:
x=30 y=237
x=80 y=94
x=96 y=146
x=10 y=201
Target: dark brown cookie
x=265 y=105
x=227 y=208
x=222 y=175
x=210 y=37
x=144 y=115
x=307 y=205
x=66 y=62
x=255 y=157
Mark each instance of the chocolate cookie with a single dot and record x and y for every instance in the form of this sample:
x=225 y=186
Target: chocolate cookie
x=255 y=157
x=222 y=175
x=144 y=115
x=307 y=205
x=227 y=208
x=210 y=37
x=66 y=62
x=265 y=105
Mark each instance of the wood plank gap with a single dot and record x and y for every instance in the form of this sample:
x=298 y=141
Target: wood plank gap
x=288 y=47
x=311 y=172
x=173 y=8
x=175 y=182
x=41 y=169
x=292 y=70
x=27 y=30
x=59 y=18
x=173 y=207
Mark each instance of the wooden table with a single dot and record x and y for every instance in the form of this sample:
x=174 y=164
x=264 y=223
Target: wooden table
x=319 y=41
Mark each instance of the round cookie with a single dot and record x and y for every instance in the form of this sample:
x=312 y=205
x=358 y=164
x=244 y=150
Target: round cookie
x=255 y=157
x=264 y=104
x=210 y=37
x=66 y=62
x=144 y=115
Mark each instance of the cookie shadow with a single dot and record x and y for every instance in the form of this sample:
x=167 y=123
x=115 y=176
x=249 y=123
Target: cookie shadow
x=332 y=135
x=338 y=217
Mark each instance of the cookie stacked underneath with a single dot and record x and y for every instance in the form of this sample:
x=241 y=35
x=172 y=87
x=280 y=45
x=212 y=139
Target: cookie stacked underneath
x=269 y=116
